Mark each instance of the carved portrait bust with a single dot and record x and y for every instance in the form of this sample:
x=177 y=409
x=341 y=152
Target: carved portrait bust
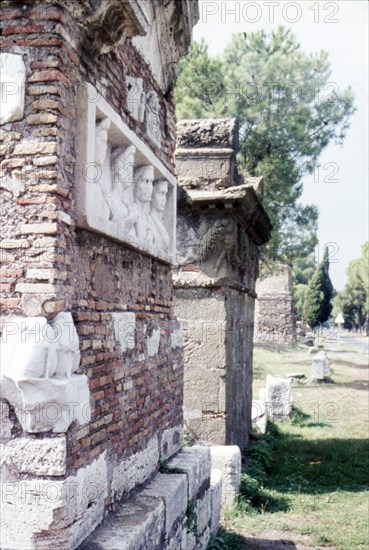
x=102 y=178
x=159 y=199
x=124 y=209
x=101 y=140
x=143 y=178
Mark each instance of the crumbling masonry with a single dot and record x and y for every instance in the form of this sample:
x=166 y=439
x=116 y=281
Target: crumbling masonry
x=221 y=223
x=91 y=381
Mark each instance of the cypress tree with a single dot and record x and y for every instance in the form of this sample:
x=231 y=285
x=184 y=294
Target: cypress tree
x=317 y=304
x=313 y=300
x=326 y=288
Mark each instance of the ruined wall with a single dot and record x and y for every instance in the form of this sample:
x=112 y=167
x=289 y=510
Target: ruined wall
x=221 y=223
x=120 y=298
x=275 y=314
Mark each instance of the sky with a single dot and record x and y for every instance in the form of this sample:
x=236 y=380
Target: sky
x=339 y=185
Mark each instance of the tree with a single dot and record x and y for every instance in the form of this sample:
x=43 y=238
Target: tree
x=319 y=294
x=287 y=114
x=326 y=287
x=313 y=301
x=303 y=270
x=353 y=301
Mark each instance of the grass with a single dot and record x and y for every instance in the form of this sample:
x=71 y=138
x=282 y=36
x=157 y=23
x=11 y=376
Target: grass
x=307 y=480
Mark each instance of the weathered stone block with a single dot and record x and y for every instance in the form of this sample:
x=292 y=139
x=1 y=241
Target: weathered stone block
x=203 y=512
x=278 y=394
x=227 y=459
x=35 y=456
x=216 y=481
x=52 y=514
x=38 y=377
x=137 y=525
x=135 y=470
x=320 y=366
x=173 y=490
x=196 y=464
x=171 y=441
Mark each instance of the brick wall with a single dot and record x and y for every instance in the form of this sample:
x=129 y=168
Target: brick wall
x=49 y=265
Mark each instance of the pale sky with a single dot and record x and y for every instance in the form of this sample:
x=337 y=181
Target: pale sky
x=340 y=186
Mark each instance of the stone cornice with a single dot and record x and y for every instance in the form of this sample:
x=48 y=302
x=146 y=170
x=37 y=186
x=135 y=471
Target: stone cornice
x=242 y=201
x=186 y=279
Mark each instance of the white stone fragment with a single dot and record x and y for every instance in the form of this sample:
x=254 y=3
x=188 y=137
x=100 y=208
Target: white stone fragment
x=135 y=98
x=12 y=83
x=135 y=470
x=176 y=338
x=153 y=342
x=14 y=185
x=39 y=361
x=53 y=513
x=36 y=456
x=320 y=366
x=124 y=325
x=227 y=458
x=279 y=399
x=216 y=482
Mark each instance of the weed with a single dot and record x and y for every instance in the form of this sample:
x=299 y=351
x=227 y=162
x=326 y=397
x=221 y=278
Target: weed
x=225 y=540
x=308 y=476
x=165 y=468
x=191 y=514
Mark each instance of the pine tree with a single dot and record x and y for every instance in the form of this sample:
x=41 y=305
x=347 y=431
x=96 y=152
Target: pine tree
x=270 y=85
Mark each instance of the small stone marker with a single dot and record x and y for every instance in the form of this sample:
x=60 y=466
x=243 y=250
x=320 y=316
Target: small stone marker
x=279 y=396
x=320 y=366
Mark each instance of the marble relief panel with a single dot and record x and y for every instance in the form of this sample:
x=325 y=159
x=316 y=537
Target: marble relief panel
x=123 y=190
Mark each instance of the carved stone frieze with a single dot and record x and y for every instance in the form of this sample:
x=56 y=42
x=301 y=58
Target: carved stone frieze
x=38 y=378
x=152 y=117
x=136 y=99
x=123 y=190
x=219 y=248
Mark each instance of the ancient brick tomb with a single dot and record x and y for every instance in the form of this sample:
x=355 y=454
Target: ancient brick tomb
x=88 y=235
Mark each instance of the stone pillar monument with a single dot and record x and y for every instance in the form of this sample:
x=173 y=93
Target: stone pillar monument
x=221 y=222
x=275 y=319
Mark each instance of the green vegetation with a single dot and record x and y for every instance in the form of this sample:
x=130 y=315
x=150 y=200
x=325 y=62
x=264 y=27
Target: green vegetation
x=302 y=272
x=191 y=514
x=286 y=119
x=353 y=301
x=307 y=479
x=319 y=294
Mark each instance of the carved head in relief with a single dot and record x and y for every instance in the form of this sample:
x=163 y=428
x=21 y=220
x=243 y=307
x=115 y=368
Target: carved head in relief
x=159 y=197
x=122 y=165
x=101 y=140
x=144 y=177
